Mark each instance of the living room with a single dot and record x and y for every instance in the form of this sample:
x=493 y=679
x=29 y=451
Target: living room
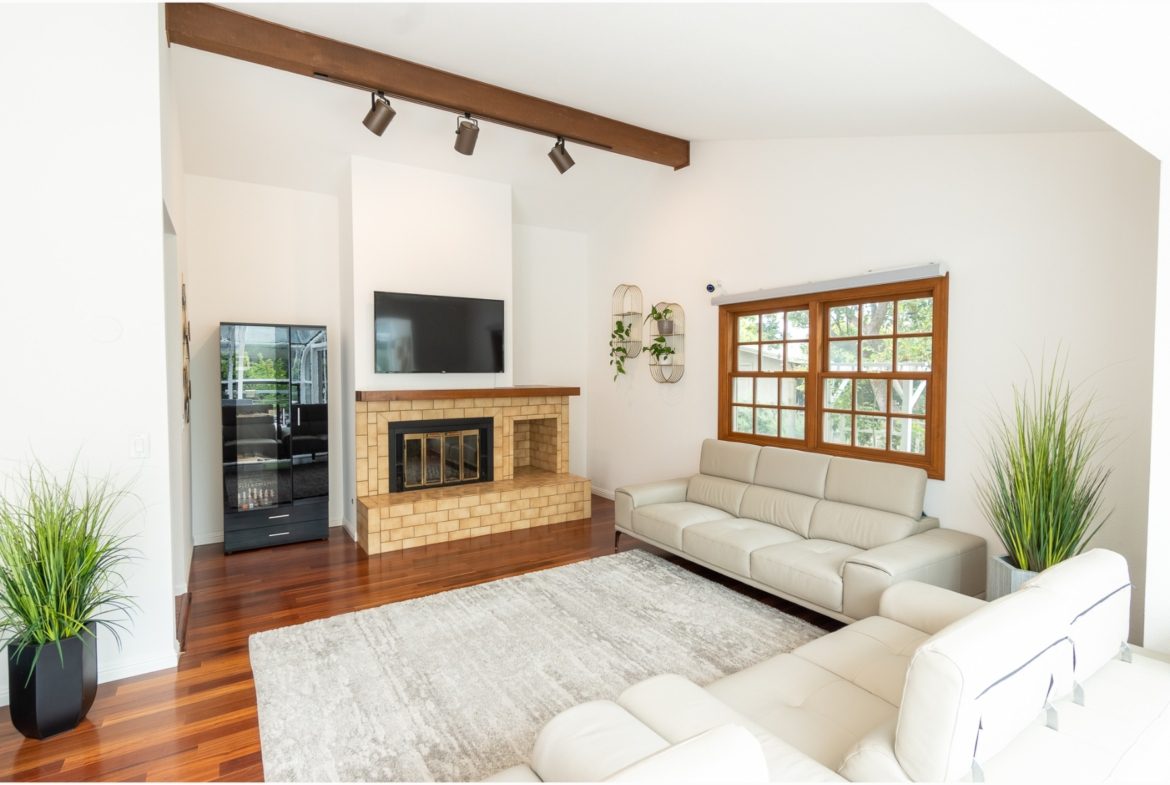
x=281 y=208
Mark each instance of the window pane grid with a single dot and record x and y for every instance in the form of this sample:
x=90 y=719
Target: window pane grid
x=879 y=352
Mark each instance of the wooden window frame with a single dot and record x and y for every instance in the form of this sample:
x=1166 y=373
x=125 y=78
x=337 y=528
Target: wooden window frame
x=818 y=304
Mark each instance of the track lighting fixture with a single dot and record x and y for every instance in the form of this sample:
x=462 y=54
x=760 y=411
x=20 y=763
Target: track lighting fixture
x=380 y=114
x=466 y=132
x=560 y=156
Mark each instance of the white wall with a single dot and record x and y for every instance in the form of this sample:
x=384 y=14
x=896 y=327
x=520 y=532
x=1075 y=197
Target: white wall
x=551 y=320
x=81 y=281
x=1050 y=240
x=179 y=436
x=264 y=255
x=426 y=232
x=346 y=356
x=1124 y=84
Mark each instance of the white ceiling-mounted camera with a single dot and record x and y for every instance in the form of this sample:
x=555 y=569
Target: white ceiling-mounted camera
x=714 y=286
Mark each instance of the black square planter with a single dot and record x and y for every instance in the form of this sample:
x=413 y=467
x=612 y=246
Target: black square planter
x=61 y=688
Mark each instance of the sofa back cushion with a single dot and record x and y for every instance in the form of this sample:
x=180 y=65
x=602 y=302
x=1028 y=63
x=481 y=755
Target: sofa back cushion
x=718 y=492
x=792 y=470
x=863 y=527
x=882 y=486
x=1094 y=590
x=975 y=685
x=793 y=511
x=730 y=460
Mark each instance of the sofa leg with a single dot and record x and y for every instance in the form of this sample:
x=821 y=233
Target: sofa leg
x=616 y=536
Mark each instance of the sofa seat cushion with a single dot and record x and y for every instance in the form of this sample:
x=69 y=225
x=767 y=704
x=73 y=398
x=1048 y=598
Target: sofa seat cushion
x=677 y=709
x=729 y=543
x=873 y=653
x=664 y=523
x=810 y=569
x=810 y=708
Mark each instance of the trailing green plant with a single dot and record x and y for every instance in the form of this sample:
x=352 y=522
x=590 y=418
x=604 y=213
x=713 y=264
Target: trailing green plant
x=60 y=559
x=618 y=351
x=1042 y=485
x=659 y=348
x=657 y=315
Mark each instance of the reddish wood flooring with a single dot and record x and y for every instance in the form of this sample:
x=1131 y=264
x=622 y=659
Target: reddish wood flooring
x=198 y=721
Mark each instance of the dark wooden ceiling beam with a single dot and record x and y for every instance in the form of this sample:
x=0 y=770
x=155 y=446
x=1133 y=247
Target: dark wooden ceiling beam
x=230 y=33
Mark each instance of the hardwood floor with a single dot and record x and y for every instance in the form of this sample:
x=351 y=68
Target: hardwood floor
x=198 y=721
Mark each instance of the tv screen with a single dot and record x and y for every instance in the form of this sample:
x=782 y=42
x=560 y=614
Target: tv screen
x=425 y=333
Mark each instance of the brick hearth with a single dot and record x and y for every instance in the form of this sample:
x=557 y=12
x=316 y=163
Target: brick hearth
x=532 y=486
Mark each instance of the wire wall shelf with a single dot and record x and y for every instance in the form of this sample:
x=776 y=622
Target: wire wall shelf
x=668 y=367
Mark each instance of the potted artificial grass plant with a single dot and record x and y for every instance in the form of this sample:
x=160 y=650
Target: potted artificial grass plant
x=59 y=582
x=1042 y=486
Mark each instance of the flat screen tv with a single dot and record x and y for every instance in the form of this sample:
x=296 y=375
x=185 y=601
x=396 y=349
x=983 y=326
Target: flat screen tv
x=426 y=333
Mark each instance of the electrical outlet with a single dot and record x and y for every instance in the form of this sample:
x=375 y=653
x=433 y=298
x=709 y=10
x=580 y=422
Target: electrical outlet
x=140 y=445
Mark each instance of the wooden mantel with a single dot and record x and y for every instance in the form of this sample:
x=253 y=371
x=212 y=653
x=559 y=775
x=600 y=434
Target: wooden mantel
x=523 y=391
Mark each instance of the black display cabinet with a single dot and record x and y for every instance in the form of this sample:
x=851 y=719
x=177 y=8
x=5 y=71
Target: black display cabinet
x=275 y=413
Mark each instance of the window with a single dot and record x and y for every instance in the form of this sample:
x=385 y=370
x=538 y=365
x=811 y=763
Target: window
x=857 y=372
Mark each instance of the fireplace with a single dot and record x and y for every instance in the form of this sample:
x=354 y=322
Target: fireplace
x=434 y=453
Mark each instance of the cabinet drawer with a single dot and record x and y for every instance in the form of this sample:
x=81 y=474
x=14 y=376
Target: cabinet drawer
x=263 y=536
x=311 y=509
x=251 y=519
x=297 y=512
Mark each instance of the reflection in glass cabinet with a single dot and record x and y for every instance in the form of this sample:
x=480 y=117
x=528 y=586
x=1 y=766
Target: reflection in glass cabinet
x=273 y=396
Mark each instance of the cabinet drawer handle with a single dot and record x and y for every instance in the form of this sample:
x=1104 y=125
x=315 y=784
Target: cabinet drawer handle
x=274 y=517
x=279 y=534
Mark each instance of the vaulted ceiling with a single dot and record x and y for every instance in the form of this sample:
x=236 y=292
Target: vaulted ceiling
x=697 y=71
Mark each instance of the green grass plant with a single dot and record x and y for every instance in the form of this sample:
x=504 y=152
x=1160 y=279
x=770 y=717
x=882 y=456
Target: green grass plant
x=1042 y=484
x=60 y=559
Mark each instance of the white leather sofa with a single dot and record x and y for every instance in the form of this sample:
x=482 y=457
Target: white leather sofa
x=1038 y=686
x=828 y=533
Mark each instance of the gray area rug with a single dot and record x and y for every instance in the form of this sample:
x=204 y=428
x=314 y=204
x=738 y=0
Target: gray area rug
x=454 y=686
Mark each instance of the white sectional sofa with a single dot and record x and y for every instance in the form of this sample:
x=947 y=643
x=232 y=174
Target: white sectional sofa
x=1038 y=686
x=825 y=532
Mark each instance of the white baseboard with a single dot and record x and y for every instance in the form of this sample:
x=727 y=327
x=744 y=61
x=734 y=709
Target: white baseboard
x=207 y=538
x=122 y=670
x=604 y=492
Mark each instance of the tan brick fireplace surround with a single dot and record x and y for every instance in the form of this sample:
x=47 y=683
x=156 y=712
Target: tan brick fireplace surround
x=531 y=485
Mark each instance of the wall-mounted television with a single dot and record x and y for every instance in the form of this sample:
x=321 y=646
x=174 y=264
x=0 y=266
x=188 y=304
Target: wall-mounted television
x=426 y=333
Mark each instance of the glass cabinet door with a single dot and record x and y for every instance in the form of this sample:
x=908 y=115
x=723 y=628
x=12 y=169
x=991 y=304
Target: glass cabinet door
x=254 y=382
x=310 y=412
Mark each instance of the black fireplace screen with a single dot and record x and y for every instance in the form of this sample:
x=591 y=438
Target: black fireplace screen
x=433 y=453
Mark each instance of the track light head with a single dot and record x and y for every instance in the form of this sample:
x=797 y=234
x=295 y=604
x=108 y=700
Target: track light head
x=466 y=132
x=380 y=114
x=560 y=156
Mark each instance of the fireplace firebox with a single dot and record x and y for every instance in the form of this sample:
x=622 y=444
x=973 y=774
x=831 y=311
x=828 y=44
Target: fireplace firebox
x=434 y=453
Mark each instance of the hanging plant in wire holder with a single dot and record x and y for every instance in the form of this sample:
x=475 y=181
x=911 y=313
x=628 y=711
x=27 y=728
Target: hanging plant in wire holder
x=667 y=342
x=625 y=334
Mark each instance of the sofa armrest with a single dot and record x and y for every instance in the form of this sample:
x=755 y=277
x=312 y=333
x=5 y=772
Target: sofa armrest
x=626 y=498
x=872 y=759
x=925 y=607
x=728 y=753
x=943 y=557
x=590 y=742
x=518 y=773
